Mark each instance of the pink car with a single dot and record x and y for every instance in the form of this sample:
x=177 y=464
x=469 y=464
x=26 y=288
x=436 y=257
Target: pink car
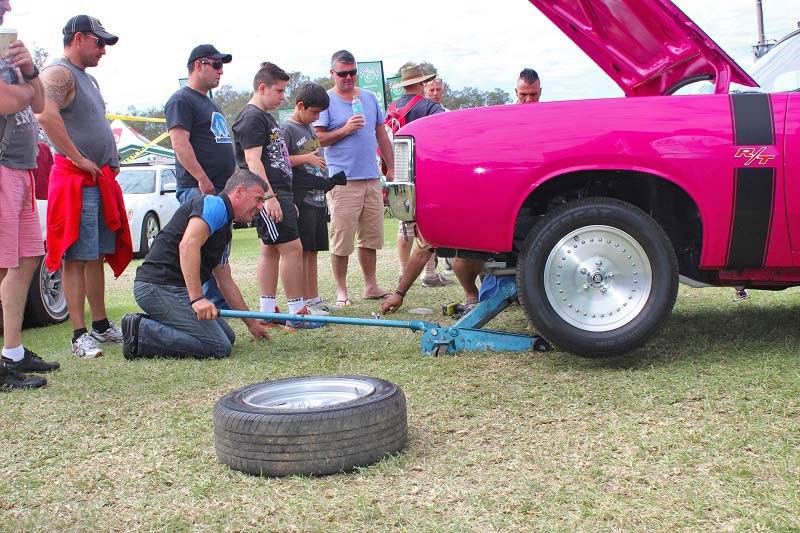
x=603 y=204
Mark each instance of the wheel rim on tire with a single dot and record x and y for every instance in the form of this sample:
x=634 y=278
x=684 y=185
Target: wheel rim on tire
x=309 y=394
x=598 y=278
x=52 y=291
x=151 y=231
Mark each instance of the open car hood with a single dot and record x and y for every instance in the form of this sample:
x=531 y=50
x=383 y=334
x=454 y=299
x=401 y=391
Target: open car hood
x=648 y=47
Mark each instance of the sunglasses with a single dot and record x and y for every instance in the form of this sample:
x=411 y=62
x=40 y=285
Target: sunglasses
x=345 y=73
x=216 y=65
x=101 y=43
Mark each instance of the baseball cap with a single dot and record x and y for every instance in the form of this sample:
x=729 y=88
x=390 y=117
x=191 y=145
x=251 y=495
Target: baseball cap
x=207 y=50
x=85 y=23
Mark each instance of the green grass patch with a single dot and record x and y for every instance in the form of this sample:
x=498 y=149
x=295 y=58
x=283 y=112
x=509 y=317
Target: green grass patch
x=698 y=430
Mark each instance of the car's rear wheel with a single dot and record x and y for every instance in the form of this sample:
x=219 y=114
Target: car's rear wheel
x=597 y=277
x=47 y=303
x=150 y=228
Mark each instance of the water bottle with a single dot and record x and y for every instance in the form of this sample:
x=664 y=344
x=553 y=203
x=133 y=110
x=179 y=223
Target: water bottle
x=358 y=109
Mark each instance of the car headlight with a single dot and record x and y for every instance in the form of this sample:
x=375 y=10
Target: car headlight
x=404 y=159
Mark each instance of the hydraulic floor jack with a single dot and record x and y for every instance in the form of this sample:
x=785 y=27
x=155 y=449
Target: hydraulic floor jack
x=466 y=334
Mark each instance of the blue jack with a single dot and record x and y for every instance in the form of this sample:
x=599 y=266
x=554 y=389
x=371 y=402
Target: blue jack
x=466 y=334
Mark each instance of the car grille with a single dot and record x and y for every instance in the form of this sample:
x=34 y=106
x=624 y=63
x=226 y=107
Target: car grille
x=403 y=159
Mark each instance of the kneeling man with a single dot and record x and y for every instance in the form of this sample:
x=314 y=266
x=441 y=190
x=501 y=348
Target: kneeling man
x=180 y=321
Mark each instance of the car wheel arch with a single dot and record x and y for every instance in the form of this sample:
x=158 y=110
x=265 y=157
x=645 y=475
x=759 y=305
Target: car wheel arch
x=674 y=206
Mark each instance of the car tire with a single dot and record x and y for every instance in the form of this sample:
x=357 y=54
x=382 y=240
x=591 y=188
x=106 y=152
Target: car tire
x=47 y=303
x=597 y=277
x=150 y=228
x=315 y=425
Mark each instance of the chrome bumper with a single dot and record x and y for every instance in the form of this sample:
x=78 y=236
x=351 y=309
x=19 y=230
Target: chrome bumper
x=402 y=200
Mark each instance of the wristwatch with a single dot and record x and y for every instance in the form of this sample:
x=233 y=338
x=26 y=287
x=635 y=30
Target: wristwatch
x=33 y=75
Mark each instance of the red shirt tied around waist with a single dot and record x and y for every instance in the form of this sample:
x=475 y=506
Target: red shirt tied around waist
x=64 y=215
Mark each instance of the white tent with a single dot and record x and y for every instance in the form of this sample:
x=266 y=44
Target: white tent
x=131 y=146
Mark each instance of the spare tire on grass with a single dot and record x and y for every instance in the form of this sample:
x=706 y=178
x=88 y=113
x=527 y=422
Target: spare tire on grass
x=313 y=425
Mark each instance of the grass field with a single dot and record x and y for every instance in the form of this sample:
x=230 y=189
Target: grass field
x=698 y=430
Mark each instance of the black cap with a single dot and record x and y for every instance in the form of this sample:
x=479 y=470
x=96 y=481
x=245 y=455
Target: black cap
x=85 y=23
x=207 y=50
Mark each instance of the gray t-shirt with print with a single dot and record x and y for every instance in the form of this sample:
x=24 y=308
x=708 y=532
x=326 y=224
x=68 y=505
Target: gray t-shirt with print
x=21 y=134
x=300 y=139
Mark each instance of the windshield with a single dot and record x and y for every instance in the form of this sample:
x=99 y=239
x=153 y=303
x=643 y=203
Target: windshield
x=779 y=69
x=135 y=181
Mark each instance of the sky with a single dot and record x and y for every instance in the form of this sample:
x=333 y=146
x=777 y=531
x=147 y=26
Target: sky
x=475 y=43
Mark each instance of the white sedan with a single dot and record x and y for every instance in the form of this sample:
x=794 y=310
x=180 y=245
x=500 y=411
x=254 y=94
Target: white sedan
x=149 y=194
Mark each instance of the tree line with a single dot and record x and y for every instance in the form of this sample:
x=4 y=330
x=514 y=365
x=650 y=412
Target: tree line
x=231 y=100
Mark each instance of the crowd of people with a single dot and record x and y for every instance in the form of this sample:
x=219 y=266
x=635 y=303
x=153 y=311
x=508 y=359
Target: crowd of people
x=291 y=180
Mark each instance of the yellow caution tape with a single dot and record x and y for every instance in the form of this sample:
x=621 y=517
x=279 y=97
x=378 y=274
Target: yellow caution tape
x=135 y=119
x=144 y=148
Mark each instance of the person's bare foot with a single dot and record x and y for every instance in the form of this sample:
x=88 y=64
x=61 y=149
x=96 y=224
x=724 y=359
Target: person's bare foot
x=379 y=294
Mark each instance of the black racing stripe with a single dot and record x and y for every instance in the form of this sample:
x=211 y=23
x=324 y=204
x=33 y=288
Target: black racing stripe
x=752 y=119
x=752 y=217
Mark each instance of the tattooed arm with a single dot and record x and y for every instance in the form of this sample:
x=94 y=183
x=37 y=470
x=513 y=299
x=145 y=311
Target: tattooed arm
x=59 y=86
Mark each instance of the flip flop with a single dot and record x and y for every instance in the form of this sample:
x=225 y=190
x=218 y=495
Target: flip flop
x=381 y=297
x=341 y=304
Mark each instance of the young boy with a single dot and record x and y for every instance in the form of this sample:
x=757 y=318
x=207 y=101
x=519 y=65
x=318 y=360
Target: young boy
x=310 y=185
x=261 y=149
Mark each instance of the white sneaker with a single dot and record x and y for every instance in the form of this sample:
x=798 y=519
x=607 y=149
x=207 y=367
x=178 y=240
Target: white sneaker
x=112 y=334
x=318 y=309
x=86 y=347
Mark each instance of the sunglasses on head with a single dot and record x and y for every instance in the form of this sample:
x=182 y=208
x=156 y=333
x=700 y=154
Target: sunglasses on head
x=101 y=43
x=216 y=65
x=345 y=73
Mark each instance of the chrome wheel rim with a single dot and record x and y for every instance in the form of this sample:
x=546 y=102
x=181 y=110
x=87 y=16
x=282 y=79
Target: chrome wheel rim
x=598 y=278
x=309 y=394
x=52 y=291
x=151 y=231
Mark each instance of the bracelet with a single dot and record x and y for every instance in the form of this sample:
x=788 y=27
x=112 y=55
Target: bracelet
x=400 y=293
x=196 y=300
x=33 y=75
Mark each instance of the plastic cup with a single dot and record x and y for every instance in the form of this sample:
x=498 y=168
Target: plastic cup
x=7 y=36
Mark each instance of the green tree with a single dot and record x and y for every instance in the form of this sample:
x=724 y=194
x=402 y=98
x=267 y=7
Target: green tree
x=40 y=56
x=427 y=68
x=231 y=101
x=497 y=97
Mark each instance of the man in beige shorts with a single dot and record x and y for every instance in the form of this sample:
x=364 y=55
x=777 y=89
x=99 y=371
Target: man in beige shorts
x=351 y=130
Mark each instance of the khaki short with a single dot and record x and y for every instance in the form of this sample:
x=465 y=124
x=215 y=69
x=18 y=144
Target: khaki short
x=356 y=208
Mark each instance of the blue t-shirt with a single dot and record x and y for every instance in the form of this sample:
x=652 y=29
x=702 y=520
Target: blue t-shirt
x=357 y=153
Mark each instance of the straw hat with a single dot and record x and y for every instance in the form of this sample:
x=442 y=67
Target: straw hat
x=413 y=74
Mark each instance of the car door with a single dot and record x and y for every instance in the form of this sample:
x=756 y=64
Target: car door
x=167 y=201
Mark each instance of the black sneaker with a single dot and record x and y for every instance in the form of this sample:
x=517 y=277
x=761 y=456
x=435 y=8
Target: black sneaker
x=11 y=379
x=31 y=363
x=130 y=334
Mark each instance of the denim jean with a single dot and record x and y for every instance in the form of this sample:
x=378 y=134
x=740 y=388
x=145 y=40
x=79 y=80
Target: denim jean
x=95 y=239
x=172 y=328
x=210 y=288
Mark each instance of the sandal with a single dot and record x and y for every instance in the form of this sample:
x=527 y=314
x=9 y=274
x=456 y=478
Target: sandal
x=380 y=297
x=341 y=304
